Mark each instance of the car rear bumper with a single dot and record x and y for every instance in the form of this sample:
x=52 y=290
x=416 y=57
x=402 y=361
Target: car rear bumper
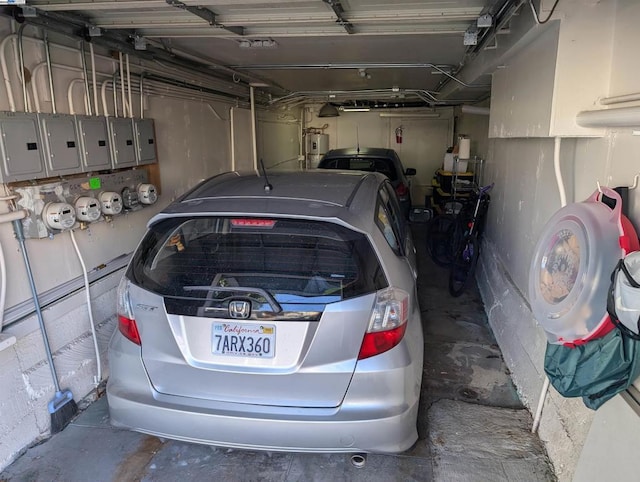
x=364 y=424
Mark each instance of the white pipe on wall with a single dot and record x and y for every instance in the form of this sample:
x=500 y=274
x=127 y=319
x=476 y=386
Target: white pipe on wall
x=70 y=96
x=93 y=79
x=124 y=112
x=103 y=92
x=5 y=71
x=472 y=109
x=619 y=99
x=233 y=146
x=619 y=117
x=129 y=88
x=563 y=202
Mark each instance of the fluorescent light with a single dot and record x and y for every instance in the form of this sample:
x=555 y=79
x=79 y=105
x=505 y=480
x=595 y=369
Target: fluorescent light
x=425 y=115
x=356 y=109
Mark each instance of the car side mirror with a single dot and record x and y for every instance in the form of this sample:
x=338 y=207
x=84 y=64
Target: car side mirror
x=410 y=171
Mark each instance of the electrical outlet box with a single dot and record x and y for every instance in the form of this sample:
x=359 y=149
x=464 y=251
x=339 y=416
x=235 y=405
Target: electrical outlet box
x=61 y=151
x=145 y=141
x=94 y=143
x=121 y=142
x=20 y=147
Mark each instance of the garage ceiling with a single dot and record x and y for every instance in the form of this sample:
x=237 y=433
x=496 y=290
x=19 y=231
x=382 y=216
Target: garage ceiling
x=370 y=52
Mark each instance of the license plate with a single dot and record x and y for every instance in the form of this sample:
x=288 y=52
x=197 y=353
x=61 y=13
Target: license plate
x=244 y=339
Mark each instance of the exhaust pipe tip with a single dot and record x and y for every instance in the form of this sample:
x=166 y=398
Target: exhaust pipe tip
x=359 y=460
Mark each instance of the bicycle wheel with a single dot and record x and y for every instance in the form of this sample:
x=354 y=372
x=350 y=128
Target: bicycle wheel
x=440 y=239
x=463 y=265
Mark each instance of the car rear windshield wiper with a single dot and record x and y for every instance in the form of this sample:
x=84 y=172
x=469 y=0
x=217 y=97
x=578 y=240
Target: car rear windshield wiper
x=275 y=306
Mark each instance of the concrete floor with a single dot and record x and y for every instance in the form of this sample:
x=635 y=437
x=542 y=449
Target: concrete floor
x=472 y=425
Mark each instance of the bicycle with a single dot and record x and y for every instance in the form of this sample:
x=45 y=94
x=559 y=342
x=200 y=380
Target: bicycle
x=464 y=261
x=445 y=232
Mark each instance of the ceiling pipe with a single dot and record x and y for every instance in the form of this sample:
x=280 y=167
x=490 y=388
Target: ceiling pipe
x=473 y=109
x=620 y=117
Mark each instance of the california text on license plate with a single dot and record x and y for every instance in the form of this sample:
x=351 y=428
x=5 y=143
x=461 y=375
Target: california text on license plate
x=244 y=339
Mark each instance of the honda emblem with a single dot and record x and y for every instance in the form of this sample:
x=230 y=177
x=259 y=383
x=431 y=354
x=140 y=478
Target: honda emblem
x=239 y=309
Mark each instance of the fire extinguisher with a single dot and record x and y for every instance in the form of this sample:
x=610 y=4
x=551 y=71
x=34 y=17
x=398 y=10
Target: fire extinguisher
x=399 y=135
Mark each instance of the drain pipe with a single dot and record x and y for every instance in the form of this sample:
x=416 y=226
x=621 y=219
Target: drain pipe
x=359 y=460
x=94 y=335
x=563 y=202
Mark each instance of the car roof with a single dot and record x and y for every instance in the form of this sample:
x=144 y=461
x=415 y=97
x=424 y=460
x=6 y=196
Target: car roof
x=311 y=193
x=361 y=151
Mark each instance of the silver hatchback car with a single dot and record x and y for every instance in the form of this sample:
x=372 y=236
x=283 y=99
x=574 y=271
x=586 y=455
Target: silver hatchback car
x=278 y=317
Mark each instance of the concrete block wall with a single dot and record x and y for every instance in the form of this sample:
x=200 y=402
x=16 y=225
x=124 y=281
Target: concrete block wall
x=565 y=422
x=25 y=377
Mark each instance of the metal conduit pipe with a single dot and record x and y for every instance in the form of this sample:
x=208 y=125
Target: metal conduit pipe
x=115 y=95
x=129 y=87
x=36 y=71
x=5 y=71
x=103 y=92
x=619 y=99
x=122 y=95
x=213 y=84
x=142 y=95
x=50 y=72
x=93 y=78
x=22 y=79
x=70 y=96
x=619 y=117
x=87 y=103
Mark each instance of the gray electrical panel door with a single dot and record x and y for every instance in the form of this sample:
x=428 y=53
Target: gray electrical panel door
x=94 y=143
x=20 y=147
x=62 y=154
x=145 y=141
x=122 y=145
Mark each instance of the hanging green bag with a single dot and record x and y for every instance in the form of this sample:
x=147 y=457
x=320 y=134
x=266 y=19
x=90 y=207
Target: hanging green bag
x=595 y=371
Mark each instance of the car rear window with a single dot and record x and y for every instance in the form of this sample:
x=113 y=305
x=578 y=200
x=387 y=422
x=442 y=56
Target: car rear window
x=372 y=164
x=294 y=261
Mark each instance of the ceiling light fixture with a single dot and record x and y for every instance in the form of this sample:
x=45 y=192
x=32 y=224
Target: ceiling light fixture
x=355 y=109
x=328 y=110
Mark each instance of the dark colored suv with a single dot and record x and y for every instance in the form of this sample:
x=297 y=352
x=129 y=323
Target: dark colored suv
x=385 y=161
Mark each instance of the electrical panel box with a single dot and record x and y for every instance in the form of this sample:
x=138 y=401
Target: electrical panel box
x=145 y=141
x=20 y=147
x=94 y=143
x=61 y=150
x=121 y=142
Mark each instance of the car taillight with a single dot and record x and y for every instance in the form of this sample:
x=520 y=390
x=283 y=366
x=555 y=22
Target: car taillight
x=388 y=322
x=126 y=320
x=402 y=190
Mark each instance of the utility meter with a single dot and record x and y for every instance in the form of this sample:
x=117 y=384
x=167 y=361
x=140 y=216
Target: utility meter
x=111 y=203
x=130 y=199
x=87 y=209
x=59 y=216
x=147 y=193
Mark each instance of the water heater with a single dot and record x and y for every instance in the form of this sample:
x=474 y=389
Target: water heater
x=316 y=146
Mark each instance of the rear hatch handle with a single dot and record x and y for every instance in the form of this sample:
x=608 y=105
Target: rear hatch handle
x=275 y=306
